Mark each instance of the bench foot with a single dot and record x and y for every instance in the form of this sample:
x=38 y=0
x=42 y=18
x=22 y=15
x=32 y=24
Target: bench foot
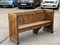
x=35 y=31
x=48 y=28
x=17 y=43
x=15 y=39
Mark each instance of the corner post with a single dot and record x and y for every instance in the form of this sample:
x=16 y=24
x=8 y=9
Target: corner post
x=13 y=28
x=49 y=15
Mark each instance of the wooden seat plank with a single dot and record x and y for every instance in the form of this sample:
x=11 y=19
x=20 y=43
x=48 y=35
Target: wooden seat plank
x=33 y=24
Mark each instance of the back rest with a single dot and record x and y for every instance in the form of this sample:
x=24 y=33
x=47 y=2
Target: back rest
x=49 y=14
x=30 y=16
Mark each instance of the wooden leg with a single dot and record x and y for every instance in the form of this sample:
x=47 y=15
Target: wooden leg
x=13 y=28
x=13 y=31
x=35 y=31
x=48 y=28
x=14 y=36
x=17 y=43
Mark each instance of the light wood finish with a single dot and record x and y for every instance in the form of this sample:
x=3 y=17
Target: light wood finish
x=49 y=16
x=27 y=20
x=33 y=24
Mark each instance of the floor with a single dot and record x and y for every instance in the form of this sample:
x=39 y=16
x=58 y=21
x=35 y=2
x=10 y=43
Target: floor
x=28 y=38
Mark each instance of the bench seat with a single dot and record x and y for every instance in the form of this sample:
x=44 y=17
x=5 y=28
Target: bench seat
x=24 y=27
x=34 y=24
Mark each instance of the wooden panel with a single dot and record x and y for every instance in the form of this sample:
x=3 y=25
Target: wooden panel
x=27 y=18
x=39 y=16
x=49 y=14
x=30 y=17
x=20 y=19
x=13 y=27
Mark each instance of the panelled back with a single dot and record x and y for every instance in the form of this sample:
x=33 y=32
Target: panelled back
x=49 y=14
x=39 y=15
x=30 y=16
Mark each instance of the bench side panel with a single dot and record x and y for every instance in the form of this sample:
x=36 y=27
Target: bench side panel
x=13 y=27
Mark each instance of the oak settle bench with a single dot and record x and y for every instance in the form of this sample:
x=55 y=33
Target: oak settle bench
x=32 y=19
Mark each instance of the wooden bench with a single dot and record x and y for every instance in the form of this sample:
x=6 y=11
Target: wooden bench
x=27 y=20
